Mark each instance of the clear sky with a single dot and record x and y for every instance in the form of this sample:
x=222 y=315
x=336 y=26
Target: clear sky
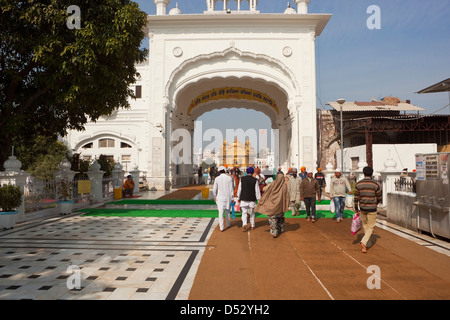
x=410 y=52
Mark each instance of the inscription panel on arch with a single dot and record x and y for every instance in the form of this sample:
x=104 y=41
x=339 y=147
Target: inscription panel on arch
x=233 y=93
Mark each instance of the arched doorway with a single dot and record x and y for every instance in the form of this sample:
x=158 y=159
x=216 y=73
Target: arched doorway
x=251 y=130
x=114 y=145
x=230 y=79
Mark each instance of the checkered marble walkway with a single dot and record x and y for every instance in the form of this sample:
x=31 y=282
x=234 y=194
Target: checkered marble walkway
x=77 y=257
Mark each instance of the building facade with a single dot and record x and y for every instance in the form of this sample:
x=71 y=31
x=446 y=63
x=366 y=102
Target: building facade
x=198 y=63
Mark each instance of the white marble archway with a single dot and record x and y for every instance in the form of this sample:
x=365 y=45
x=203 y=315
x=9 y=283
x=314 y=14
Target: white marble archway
x=233 y=68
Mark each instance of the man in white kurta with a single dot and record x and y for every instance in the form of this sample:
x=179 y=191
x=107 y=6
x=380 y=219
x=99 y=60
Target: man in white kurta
x=223 y=190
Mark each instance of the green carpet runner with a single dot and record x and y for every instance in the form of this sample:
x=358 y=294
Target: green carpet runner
x=194 y=213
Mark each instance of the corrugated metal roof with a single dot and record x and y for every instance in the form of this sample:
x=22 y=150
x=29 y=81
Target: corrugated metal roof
x=374 y=106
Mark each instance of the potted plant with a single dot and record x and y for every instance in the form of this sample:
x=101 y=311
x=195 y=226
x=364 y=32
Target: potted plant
x=64 y=191
x=10 y=201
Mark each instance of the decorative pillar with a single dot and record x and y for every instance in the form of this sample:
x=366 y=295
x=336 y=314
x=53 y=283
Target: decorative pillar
x=15 y=176
x=64 y=186
x=389 y=175
x=135 y=174
x=302 y=6
x=161 y=6
x=224 y=152
x=210 y=5
x=294 y=123
x=328 y=174
x=117 y=175
x=96 y=177
x=247 y=152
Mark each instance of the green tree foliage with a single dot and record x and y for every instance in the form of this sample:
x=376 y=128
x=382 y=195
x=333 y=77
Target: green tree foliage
x=41 y=156
x=106 y=165
x=10 y=197
x=53 y=78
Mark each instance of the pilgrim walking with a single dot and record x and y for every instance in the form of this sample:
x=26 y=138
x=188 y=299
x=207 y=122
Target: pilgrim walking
x=274 y=203
x=294 y=192
x=309 y=188
x=223 y=190
x=338 y=187
x=248 y=193
x=367 y=196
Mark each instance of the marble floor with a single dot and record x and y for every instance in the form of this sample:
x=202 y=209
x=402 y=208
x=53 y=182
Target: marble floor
x=77 y=257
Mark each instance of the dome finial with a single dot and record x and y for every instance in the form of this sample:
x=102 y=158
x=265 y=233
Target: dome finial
x=175 y=10
x=289 y=9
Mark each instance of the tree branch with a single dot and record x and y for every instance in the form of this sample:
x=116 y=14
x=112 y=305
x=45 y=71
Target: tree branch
x=30 y=100
x=16 y=81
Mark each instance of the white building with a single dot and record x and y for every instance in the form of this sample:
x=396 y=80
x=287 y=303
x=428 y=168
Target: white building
x=265 y=62
x=403 y=155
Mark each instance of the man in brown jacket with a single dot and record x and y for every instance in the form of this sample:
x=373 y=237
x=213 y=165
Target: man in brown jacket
x=309 y=188
x=367 y=197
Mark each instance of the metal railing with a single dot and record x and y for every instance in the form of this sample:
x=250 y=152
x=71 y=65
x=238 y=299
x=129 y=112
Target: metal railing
x=78 y=195
x=39 y=194
x=42 y=194
x=405 y=184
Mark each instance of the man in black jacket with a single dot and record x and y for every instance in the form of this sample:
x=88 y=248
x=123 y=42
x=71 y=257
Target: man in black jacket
x=248 y=193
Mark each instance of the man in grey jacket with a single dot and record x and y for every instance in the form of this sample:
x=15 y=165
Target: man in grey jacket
x=338 y=187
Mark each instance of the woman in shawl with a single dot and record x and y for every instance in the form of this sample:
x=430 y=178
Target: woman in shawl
x=274 y=203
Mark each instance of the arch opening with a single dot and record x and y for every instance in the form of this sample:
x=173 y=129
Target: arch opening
x=255 y=82
x=260 y=135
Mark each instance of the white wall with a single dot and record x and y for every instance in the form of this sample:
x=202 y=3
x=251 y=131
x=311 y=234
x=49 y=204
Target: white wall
x=402 y=154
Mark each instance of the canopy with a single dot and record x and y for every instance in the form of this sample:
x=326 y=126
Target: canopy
x=442 y=86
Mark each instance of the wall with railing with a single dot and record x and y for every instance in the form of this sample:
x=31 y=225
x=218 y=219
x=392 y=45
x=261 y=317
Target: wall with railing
x=43 y=198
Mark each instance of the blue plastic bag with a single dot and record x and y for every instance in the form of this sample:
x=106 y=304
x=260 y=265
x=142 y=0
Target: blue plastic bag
x=233 y=214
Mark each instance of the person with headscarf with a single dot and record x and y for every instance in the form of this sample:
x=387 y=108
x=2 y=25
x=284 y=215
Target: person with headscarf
x=274 y=203
x=128 y=187
x=235 y=174
x=302 y=173
x=248 y=193
x=261 y=179
x=320 y=177
x=223 y=190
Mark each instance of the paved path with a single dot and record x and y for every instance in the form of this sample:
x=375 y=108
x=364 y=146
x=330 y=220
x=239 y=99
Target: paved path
x=118 y=258
x=115 y=258
x=317 y=261
x=182 y=258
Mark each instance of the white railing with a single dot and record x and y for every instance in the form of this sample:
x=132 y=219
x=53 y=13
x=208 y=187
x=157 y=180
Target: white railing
x=39 y=194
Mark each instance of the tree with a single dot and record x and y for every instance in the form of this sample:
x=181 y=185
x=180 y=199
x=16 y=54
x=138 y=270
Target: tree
x=53 y=78
x=41 y=156
x=106 y=165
